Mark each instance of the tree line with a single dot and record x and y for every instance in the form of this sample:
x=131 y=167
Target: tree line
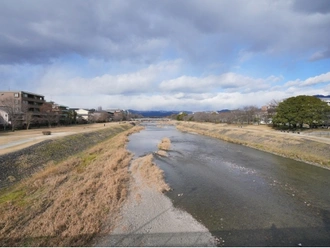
x=21 y=117
x=293 y=112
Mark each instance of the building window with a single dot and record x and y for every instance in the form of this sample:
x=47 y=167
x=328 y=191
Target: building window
x=16 y=95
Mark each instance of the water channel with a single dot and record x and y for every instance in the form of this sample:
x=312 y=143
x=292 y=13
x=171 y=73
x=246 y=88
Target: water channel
x=245 y=197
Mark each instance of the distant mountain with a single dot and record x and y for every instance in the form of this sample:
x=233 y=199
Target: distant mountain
x=223 y=111
x=322 y=96
x=156 y=113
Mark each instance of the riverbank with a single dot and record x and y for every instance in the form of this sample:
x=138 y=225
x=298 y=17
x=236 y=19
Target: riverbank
x=66 y=203
x=149 y=217
x=14 y=141
x=310 y=149
x=19 y=164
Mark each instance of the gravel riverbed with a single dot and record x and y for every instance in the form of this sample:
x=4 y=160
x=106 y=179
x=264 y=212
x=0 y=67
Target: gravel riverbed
x=150 y=219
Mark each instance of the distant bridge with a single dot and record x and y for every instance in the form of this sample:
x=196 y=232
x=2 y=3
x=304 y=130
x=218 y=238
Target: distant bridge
x=150 y=119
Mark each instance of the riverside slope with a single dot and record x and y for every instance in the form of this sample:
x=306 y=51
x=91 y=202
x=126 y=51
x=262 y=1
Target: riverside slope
x=301 y=147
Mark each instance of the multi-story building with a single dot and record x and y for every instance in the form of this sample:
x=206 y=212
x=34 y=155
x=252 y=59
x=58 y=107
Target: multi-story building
x=18 y=103
x=23 y=101
x=62 y=111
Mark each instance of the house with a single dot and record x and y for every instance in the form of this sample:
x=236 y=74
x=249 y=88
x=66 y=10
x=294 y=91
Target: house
x=83 y=115
x=62 y=112
x=118 y=114
x=4 y=118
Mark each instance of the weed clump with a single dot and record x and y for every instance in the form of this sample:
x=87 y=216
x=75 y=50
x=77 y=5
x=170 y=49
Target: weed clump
x=165 y=144
x=152 y=175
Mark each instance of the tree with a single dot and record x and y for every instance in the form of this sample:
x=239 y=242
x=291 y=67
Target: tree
x=47 y=114
x=27 y=116
x=181 y=116
x=13 y=108
x=250 y=114
x=296 y=111
x=71 y=117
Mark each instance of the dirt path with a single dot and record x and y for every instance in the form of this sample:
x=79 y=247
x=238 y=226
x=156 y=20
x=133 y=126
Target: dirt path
x=13 y=141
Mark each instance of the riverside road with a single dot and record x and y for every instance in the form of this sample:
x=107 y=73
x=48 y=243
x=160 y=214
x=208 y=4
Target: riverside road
x=245 y=197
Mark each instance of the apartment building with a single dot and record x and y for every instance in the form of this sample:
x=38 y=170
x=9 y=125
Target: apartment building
x=23 y=101
x=17 y=103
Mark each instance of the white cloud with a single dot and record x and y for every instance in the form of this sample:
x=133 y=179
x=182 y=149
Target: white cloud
x=323 y=78
x=224 y=82
x=60 y=81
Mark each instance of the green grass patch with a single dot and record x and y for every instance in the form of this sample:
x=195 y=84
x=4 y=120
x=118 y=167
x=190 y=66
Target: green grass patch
x=13 y=195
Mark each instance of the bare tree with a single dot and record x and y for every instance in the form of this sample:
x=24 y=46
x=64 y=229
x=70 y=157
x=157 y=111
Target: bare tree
x=48 y=115
x=27 y=116
x=13 y=108
x=100 y=116
x=250 y=114
x=271 y=109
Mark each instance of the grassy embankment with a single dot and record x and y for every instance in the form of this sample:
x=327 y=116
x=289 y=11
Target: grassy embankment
x=293 y=146
x=66 y=203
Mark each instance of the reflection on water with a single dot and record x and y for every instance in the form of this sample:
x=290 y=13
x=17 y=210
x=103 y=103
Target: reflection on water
x=243 y=196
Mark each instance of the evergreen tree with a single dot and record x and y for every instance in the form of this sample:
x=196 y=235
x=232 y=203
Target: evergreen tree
x=299 y=110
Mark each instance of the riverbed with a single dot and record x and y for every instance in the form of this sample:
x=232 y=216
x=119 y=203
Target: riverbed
x=244 y=197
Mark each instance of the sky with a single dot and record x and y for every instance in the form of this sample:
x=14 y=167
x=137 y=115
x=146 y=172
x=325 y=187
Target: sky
x=196 y=55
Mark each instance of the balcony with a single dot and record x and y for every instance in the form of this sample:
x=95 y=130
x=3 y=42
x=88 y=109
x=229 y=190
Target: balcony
x=33 y=99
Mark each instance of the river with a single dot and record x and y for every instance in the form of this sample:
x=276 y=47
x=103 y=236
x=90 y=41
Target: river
x=245 y=197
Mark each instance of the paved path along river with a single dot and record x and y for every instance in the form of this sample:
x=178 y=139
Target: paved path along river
x=245 y=197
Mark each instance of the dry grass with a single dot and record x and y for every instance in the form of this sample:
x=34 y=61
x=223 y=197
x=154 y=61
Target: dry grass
x=162 y=153
x=150 y=173
x=65 y=204
x=299 y=147
x=165 y=144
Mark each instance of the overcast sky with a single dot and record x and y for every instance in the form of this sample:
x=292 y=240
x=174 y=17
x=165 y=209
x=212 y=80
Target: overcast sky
x=165 y=55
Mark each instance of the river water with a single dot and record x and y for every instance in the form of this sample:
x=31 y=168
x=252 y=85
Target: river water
x=245 y=197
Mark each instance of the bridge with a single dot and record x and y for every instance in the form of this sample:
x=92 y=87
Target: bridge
x=151 y=119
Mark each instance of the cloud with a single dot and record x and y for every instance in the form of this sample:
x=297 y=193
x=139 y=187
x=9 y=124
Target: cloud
x=225 y=82
x=320 y=79
x=173 y=54
x=193 y=102
x=60 y=81
x=315 y=6
x=141 y=31
x=320 y=55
